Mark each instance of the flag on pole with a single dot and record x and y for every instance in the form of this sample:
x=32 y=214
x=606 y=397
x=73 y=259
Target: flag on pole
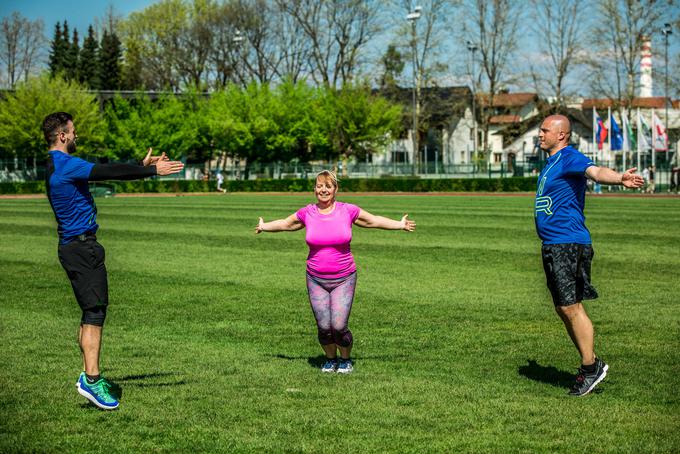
x=660 y=136
x=601 y=134
x=629 y=142
x=645 y=134
x=616 y=136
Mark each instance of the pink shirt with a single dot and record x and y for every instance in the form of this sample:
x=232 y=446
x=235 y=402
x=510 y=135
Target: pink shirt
x=328 y=237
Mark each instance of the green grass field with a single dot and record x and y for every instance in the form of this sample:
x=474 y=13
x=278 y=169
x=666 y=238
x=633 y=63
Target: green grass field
x=457 y=346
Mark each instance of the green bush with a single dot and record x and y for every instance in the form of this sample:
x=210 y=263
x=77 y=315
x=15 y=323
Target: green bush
x=23 y=187
x=303 y=185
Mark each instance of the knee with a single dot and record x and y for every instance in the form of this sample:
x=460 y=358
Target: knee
x=342 y=337
x=94 y=316
x=568 y=312
x=325 y=336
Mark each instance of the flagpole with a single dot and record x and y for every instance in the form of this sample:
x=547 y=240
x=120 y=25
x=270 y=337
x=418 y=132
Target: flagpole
x=594 y=135
x=626 y=139
x=639 y=142
x=609 y=133
x=653 y=138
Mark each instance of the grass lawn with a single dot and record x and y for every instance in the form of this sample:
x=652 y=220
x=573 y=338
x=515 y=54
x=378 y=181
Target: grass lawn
x=457 y=346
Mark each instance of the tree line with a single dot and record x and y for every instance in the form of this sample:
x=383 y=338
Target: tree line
x=259 y=123
x=577 y=47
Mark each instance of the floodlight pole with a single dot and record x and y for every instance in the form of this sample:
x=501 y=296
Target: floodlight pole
x=413 y=17
x=472 y=48
x=237 y=40
x=667 y=30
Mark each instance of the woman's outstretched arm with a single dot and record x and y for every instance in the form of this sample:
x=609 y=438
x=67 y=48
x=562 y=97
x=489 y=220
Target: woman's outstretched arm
x=289 y=224
x=371 y=221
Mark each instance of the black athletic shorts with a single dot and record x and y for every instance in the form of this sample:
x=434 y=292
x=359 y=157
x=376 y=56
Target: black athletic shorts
x=83 y=261
x=567 y=269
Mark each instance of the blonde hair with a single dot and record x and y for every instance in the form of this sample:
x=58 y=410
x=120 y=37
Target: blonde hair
x=328 y=174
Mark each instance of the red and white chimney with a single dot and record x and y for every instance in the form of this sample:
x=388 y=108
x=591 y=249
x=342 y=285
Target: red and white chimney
x=646 y=68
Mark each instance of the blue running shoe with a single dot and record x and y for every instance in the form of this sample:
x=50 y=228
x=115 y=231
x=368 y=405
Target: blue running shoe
x=345 y=366
x=98 y=392
x=330 y=365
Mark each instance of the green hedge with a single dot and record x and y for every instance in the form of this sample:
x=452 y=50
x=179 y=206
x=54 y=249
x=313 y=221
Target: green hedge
x=300 y=185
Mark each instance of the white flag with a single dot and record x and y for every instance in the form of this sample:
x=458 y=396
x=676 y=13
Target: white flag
x=660 y=135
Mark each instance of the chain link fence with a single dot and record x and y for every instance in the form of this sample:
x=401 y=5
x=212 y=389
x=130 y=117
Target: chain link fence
x=19 y=170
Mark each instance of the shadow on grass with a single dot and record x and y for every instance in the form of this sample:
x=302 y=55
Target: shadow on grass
x=317 y=361
x=546 y=374
x=313 y=361
x=141 y=381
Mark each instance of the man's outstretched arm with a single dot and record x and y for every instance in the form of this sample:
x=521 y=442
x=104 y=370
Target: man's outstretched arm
x=605 y=175
x=122 y=171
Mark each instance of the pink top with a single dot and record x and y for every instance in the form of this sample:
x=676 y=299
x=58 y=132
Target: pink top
x=328 y=237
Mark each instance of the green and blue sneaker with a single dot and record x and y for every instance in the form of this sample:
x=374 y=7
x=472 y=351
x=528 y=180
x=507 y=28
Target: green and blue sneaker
x=98 y=392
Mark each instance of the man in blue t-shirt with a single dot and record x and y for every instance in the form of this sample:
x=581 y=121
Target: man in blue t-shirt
x=81 y=256
x=567 y=250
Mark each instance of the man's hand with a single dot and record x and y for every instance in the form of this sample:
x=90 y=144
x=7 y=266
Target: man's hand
x=167 y=167
x=630 y=180
x=148 y=159
x=407 y=224
x=260 y=226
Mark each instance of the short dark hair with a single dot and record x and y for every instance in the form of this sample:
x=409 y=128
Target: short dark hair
x=55 y=123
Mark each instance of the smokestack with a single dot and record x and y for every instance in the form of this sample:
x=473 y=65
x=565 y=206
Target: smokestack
x=646 y=68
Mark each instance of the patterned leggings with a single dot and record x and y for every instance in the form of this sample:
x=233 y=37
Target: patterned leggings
x=331 y=301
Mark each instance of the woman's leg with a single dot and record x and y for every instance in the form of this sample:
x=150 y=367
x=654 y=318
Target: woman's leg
x=319 y=298
x=341 y=299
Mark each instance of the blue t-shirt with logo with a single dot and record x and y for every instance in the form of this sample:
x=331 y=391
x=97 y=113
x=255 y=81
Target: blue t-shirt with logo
x=561 y=197
x=69 y=195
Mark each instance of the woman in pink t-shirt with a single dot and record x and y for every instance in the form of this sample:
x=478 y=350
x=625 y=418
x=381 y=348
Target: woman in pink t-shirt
x=331 y=272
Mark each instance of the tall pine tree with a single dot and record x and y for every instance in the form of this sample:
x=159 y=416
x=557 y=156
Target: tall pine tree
x=88 y=61
x=109 y=62
x=71 y=60
x=56 y=62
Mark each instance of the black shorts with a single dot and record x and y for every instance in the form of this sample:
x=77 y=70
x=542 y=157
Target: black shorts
x=567 y=269
x=83 y=261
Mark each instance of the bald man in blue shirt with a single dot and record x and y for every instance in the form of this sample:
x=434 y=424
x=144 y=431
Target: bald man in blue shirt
x=81 y=256
x=567 y=248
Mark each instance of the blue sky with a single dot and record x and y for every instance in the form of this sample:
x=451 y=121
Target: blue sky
x=78 y=13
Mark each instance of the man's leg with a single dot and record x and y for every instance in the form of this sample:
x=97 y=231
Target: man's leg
x=580 y=330
x=90 y=345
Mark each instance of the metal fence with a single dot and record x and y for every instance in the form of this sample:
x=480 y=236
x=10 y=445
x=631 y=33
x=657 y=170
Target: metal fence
x=17 y=170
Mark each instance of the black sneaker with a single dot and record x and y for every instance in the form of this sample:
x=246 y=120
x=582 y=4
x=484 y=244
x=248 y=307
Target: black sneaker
x=586 y=382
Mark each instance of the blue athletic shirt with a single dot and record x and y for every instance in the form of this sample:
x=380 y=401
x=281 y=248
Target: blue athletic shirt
x=69 y=195
x=561 y=197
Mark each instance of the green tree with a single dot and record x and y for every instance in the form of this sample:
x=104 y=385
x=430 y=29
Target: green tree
x=174 y=125
x=109 y=62
x=22 y=113
x=71 y=56
x=300 y=135
x=358 y=122
x=228 y=123
x=393 y=66
x=88 y=63
x=57 y=52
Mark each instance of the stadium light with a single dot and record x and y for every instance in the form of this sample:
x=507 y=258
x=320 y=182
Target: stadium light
x=473 y=48
x=667 y=30
x=413 y=17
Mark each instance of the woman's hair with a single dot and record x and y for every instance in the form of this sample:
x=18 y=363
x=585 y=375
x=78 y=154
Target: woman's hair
x=330 y=175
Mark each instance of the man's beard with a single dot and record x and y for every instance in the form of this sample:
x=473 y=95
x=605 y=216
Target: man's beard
x=71 y=147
